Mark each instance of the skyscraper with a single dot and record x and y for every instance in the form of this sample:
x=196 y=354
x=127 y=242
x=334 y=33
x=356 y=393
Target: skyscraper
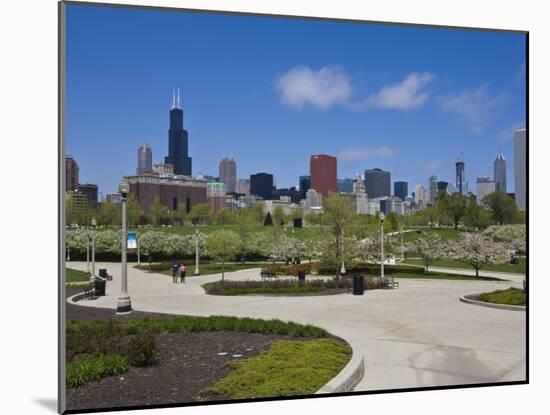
x=432 y=187
x=420 y=196
x=460 y=176
x=401 y=189
x=145 y=159
x=345 y=185
x=322 y=169
x=305 y=185
x=71 y=174
x=520 y=167
x=228 y=174
x=261 y=184
x=178 y=151
x=485 y=186
x=500 y=173
x=378 y=183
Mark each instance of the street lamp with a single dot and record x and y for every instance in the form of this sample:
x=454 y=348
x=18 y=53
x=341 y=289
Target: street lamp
x=382 y=217
x=124 y=304
x=402 y=251
x=197 y=271
x=87 y=252
x=92 y=275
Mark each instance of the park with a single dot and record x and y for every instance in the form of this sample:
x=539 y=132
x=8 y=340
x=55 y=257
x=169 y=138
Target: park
x=269 y=309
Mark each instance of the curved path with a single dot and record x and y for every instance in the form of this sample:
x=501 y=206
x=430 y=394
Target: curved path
x=416 y=336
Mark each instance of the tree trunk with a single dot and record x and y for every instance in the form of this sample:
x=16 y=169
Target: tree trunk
x=477 y=272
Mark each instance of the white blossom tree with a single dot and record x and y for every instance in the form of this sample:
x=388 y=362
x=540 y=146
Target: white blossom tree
x=478 y=251
x=428 y=247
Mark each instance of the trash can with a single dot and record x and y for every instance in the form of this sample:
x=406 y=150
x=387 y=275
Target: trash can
x=358 y=285
x=103 y=273
x=100 y=287
x=301 y=275
x=514 y=260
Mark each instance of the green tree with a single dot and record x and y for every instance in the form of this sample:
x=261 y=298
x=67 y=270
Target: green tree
x=200 y=213
x=454 y=206
x=392 y=222
x=279 y=217
x=257 y=213
x=338 y=214
x=225 y=217
x=502 y=207
x=222 y=246
x=133 y=211
x=476 y=216
x=159 y=213
x=297 y=212
x=109 y=214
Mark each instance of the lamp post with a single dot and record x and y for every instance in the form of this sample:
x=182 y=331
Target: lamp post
x=197 y=271
x=382 y=217
x=402 y=251
x=92 y=275
x=68 y=252
x=124 y=304
x=87 y=252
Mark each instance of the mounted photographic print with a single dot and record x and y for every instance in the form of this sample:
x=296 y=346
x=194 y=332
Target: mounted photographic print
x=259 y=206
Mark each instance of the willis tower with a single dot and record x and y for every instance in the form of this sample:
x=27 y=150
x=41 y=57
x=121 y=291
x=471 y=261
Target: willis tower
x=178 y=152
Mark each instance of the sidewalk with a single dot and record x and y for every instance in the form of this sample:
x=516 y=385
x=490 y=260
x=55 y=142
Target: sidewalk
x=415 y=336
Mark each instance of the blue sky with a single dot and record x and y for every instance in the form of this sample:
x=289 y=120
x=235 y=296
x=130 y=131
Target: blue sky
x=272 y=91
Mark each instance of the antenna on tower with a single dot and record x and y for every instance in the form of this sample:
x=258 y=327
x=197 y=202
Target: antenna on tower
x=179 y=103
x=173 y=98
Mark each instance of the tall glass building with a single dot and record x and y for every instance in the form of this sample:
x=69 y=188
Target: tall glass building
x=145 y=159
x=178 y=151
x=500 y=173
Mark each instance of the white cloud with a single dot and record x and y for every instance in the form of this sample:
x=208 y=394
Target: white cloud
x=408 y=94
x=473 y=106
x=364 y=153
x=302 y=86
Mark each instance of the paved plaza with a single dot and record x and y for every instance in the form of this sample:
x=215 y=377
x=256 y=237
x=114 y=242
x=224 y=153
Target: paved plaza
x=416 y=336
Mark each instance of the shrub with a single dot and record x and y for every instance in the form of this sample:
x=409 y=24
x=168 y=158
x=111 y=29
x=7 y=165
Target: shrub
x=141 y=349
x=93 y=369
x=372 y=269
x=512 y=296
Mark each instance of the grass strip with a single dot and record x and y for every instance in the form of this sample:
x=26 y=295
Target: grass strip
x=93 y=369
x=511 y=296
x=73 y=275
x=288 y=368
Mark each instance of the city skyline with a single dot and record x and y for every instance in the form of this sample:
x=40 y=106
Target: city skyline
x=414 y=122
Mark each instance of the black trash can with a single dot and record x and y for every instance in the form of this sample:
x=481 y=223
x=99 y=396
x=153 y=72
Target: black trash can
x=514 y=260
x=100 y=287
x=103 y=273
x=358 y=285
x=301 y=276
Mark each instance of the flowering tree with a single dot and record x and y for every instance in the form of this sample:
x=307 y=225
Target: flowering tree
x=77 y=240
x=478 y=251
x=337 y=252
x=505 y=233
x=429 y=247
x=108 y=241
x=152 y=243
x=369 y=249
x=222 y=246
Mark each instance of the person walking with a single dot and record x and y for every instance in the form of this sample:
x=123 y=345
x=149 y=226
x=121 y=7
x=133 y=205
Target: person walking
x=182 y=273
x=174 y=272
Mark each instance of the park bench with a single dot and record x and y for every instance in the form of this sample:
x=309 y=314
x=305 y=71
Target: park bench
x=267 y=275
x=89 y=292
x=390 y=283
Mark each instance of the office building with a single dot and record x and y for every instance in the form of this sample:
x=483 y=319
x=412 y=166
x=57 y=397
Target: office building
x=243 y=186
x=173 y=191
x=420 y=198
x=432 y=189
x=520 y=168
x=305 y=185
x=500 y=173
x=460 y=177
x=163 y=169
x=345 y=185
x=392 y=204
x=378 y=183
x=114 y=198
x=71 y=174
x=178 y=140
x=314 y=199
x=215 y=195
x=322 y=169
x=400 y=190
x=90 y=191
x=228 y=174
x=145 y=159
x=446 y=187
x=360 y=196
x=485 y=186
x=261 y=184
x=292 y=194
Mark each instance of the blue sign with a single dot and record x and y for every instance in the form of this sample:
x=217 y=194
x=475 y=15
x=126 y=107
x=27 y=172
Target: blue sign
x=132 y=240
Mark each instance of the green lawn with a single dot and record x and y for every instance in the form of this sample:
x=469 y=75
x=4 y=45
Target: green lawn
x=442 y=276
x=449 y=263
x=511 y=296
x=73 y=275
x=288 y=368
x=208 y=269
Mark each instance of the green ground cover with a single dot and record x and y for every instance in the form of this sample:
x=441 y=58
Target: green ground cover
x=449 y=263
x=73 y=275
x=288 y=368
x=511 y=296
x=443 y=233
x=206 y=269
x=443 y=276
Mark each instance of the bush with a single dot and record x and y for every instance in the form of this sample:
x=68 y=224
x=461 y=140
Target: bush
x=93 y=369
x=281 y=269
x=511 y=296
x=142 y=349
x=372 y=269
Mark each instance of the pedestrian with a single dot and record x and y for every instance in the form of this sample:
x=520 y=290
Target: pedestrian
x=174 y=272
x=182 y=273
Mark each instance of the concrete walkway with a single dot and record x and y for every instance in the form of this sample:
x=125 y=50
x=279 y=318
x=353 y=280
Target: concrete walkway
x=494 y=274
x=415 y=336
